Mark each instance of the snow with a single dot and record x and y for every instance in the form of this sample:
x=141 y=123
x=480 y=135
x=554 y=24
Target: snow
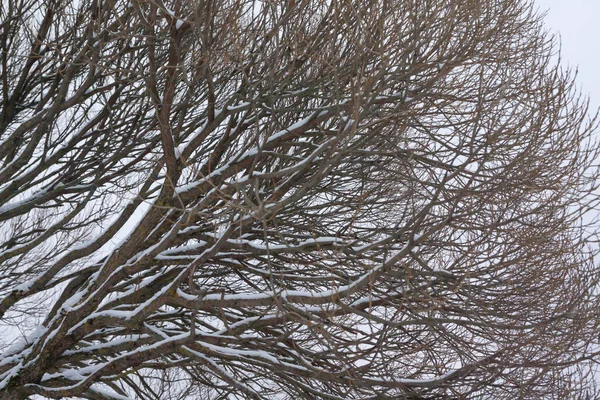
x=249 y=353
x=156 y=330
x=296 y=126
x=359 y=249
x=31 y=199
x=240 y=296
x=363 y=300
x=270 y=246
x=25 y=286
x=99 y=346
x=178 y=24
x=38 y=332
x=443 y=271
x=185 y=295
x=9 y=375
x=72 y=301
x=132 y=289
x=127 y=315
x=108 y=393
x=222 y=371
x=247 y=297
x=248 y=153
x=266 y=246
x=322 y=240
x=243 y=322
x=349 y=124
x=190 y=186
x=75 y=374
x=420 y=382
x=238 y=107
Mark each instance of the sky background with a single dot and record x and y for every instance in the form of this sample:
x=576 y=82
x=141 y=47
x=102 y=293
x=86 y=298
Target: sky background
x=578 y=24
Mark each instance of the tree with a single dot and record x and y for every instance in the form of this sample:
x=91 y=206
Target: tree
x=300 y=199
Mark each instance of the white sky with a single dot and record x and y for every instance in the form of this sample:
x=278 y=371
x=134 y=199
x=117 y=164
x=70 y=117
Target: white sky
x=578 y=24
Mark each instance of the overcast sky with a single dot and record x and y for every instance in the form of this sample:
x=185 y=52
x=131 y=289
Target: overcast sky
x=578 y=23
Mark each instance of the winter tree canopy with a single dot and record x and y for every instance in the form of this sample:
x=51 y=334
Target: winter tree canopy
x=309 y=199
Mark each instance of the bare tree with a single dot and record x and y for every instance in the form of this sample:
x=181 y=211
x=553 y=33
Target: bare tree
x=292 y=199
